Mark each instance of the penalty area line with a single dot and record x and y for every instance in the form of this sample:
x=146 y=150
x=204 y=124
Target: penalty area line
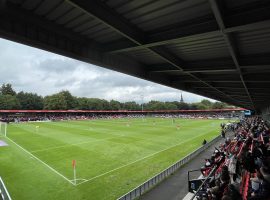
x=55 y=171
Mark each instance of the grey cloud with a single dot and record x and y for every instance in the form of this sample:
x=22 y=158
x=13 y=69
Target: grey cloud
x=41 y=72
x=57 y=65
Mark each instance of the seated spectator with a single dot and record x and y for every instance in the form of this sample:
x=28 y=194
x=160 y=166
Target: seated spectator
x=265 y=169
x=245 y=161
x=232 y=193
x=216 y=192
x=261 y=184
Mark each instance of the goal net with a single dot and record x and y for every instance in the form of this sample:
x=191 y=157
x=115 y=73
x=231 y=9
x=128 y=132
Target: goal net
x=3 y=128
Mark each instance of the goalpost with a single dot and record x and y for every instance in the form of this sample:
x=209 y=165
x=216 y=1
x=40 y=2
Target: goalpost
x=3 y=128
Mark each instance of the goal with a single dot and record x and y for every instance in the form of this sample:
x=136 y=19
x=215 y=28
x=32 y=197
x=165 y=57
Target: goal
x=3 y=128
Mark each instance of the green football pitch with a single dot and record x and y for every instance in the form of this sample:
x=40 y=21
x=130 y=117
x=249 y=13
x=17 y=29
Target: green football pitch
x=112 y=156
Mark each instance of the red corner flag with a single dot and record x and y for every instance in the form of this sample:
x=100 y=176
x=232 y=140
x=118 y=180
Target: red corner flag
x=73 y=164
x=74 y=170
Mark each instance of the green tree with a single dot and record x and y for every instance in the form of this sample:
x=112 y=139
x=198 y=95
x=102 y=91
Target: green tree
x=131 y=105
x=70 y=100
x=193 y=106
x=83 y=103
x=170 y=106
x=95 y=104
x=30 y=101
x=55 y=102
x=6 y=89
x=218 y=105
x=181 y=105
x=115 y=105
x=105 y=104
x=155 y=105
x=65 y=100
x=201 y=106
x=9 y=102
x=207 y=103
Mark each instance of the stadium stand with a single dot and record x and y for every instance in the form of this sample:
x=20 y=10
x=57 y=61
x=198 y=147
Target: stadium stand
x=56 y=115
x=242 y=165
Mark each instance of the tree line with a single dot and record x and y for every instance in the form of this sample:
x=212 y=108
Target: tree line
x=64 y=100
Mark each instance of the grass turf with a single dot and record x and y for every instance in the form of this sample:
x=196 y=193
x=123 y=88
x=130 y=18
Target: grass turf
x=113 y=156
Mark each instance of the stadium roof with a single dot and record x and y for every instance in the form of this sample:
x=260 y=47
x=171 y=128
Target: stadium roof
x=215 y=48
x=120 y=111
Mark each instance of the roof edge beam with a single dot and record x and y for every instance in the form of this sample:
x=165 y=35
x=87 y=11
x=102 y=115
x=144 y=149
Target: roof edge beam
x=231 y=47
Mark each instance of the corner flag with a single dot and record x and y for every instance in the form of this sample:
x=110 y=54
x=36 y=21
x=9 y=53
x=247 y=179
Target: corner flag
x=74 y=170
x=74 y=164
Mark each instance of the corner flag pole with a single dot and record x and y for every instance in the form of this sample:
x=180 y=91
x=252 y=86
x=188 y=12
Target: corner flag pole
x=74 y=170
x=6 y=129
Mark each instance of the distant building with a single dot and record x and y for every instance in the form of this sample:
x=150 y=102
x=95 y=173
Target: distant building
x=182 y=100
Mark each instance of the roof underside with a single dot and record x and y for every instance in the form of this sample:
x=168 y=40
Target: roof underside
x=215 y=48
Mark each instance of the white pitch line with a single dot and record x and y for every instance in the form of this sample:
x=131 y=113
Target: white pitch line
x=140 y=159
x=41 y=161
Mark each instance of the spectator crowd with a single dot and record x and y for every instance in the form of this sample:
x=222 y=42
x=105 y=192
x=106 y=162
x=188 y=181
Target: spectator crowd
x=25 y=117
x=239 y=168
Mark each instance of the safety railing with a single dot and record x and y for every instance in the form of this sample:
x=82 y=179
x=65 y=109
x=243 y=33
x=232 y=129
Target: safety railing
x=150 y=183
x=206 y=179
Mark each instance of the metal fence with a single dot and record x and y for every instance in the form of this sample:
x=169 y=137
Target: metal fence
x=203 y=183
x=141 y=189
x=3 y=191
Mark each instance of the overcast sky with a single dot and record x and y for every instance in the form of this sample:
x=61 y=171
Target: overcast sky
x=33 y=70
